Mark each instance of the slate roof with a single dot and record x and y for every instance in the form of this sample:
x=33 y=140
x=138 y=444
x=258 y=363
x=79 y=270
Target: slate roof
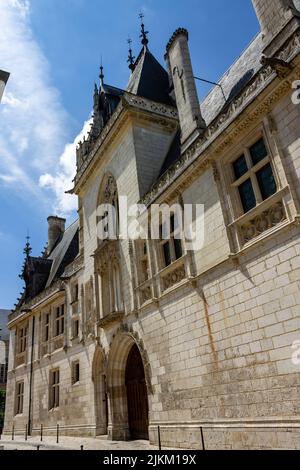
x=173 y=154
x=35 y=275
x=233 y=82
x=64 y=253
x=40 y=272
x=149 y=79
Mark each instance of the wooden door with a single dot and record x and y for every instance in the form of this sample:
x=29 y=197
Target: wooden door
x=137 y=398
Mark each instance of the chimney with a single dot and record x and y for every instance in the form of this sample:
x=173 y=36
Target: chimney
x=181 y=71
x=56 y=228
x=273 y=16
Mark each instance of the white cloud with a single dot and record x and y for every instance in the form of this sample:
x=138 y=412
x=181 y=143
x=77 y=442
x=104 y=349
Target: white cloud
x=62 y=179
x=34 y=124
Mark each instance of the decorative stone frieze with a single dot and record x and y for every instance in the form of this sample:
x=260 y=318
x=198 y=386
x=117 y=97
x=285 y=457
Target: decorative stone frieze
x=263 y=222
x=173 y=277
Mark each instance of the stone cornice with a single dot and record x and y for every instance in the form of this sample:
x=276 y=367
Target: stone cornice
x=217 y=133
x=128 y=101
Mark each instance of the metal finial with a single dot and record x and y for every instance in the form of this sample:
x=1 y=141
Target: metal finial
x=131 y=58
x=144 y=33
x=27 y=250
x=101 y=76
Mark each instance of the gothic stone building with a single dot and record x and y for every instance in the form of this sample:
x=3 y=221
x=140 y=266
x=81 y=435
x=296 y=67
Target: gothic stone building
x=117 y=337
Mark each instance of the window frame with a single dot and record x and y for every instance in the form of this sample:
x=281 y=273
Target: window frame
x=171 y=242
x=144 y=272
x=54 y=389
x=236 y=218
x=19 y=397
x=75 y=372
x=46 y=327
x=22 y=339
x=253 y=169
x=75 y=330
x=59 y=320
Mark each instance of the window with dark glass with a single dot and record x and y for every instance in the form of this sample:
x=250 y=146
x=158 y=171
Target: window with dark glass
x=258 y=152
x=54 y=389
x=75 y=293
x=144 y=261
x=75 y=372
x=59 y=320
x=167 y=253
x=75 y=328
x=254 y=178
x=247 y=195
x=47 y=327
x=266 y=181
x=240 y=167
x=178 y=248
x=172 y=247
x=22 y=340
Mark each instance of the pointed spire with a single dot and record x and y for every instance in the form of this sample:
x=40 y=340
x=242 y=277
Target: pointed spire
x=144 y=33
x=101 y=76
x=27 y=250
x=96 y=97
x=131 y=58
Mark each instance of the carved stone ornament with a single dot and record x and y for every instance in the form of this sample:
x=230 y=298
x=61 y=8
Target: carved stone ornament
x=174 y=277
x=110 y=192
x=265 y=221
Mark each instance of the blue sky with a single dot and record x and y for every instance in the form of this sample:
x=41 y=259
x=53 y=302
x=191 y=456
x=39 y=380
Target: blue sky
x=52 y=49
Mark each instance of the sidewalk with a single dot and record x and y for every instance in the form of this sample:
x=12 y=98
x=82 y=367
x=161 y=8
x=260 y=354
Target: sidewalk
x=73 y=443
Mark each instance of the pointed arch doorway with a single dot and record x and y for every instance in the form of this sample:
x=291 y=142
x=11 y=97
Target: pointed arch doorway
x=137 y=397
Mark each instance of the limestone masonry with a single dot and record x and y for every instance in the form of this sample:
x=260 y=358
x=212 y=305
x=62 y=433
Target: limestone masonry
x=121 y=336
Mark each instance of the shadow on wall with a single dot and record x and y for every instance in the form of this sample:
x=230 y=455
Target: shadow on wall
x=240 y=85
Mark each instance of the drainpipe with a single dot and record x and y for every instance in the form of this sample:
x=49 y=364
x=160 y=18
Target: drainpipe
x=30 y=379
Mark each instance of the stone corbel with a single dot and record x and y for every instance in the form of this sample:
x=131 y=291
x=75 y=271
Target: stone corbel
x=216 y=172
x=281 y=67
x=235 y=259
x=297 y=220
x=193 y=281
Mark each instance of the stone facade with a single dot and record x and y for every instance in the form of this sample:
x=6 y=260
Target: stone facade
x=215 y=328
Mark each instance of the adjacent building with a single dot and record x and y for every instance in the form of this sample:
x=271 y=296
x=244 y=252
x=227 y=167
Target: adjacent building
x=4 y=76
x=4 y=341
x=118 y=337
